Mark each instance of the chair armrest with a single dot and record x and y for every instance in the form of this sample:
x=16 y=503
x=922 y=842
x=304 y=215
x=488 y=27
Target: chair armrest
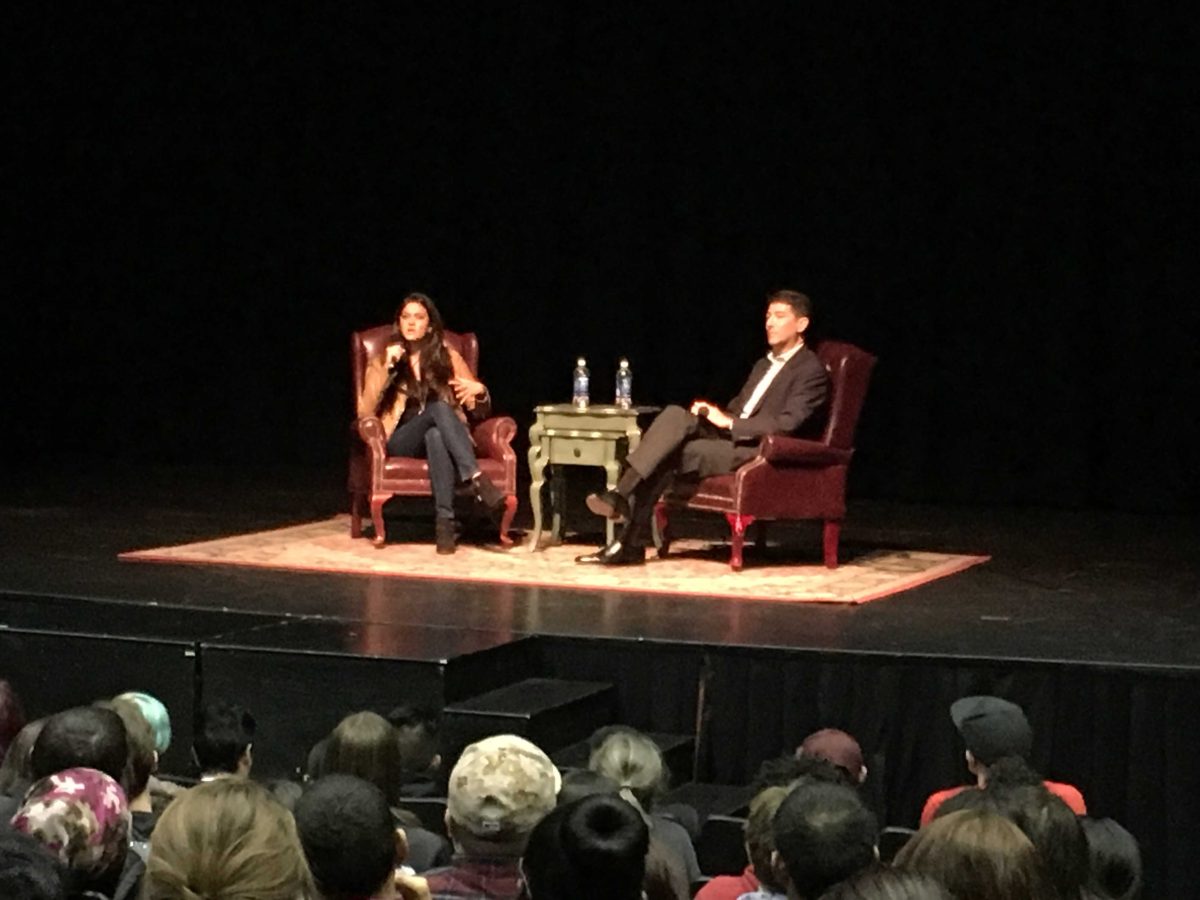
x=779 y=450
x=493 y=437
x=370 y=429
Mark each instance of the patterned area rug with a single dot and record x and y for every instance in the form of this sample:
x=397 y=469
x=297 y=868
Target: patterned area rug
x=694 y=568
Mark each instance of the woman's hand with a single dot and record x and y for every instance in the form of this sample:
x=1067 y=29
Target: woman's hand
x=467 y=389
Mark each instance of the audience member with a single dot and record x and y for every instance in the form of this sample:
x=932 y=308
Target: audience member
x=836 y=747
x=593 y=848
x=1042 y=816
x=162 y=790
x=665 y=876
x=1115 y=869
x=366 y=745
x=498 y=790
x=226 y=838
x=757 y=879
x=992 y=729
x=786 y=769
x=224 y=742
x=823 y=834
x=417 y=728
x=888 y=884
x=16 y=772
x=28 y=871
x=634 y=762
x=81 y=816
x=140 y=765
x=12 y=716
x=977 y=854
x=349 y=838
x=156 y=716
x=85 y=737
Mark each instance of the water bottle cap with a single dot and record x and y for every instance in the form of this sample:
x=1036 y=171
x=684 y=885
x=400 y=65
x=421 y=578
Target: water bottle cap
x=581 y=361
x=624 y=363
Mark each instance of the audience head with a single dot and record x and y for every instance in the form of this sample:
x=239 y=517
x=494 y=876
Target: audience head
x=226 y=838
x=823 y=835
x=1115 y=869
x=365 y=745
x=348 y=835
x=991 y=728
x=417 y=729
x=666 y=877
x=788 y=768
x=142 y=760
x=978 y=854
x=155 y=714
x=225 y=739
x=81 y=816
x=888 y=884
x=760 y=834
x=27 y=868
x=12 y=716
x=593 y=847
x=836 y=747
x=1047 y=821
x=633 y=761
x=85 y=737
x=16 y=772
x=498 y=790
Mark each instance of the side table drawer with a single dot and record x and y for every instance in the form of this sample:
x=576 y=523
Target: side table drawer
x=580 y=451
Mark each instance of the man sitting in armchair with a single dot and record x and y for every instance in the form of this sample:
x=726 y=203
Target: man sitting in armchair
x=787 y=393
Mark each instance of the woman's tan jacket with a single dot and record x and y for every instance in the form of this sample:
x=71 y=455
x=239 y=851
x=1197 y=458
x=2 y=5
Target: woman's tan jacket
x=375 y=379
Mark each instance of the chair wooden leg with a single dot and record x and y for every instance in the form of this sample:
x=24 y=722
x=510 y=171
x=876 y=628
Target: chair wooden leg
x=510 y=510
x=377 y=501
x=358 y=509
x=832 y=529
x=738 y=524
x=662 y=523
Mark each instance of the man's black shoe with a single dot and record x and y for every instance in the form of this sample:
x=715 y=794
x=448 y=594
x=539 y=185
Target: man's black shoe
x=616 y=554
x=610 y=504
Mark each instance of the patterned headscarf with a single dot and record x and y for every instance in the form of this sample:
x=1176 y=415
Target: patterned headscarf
x=81 y=816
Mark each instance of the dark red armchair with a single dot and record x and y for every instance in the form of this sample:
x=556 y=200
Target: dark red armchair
x=791 y=478
x=375 y=477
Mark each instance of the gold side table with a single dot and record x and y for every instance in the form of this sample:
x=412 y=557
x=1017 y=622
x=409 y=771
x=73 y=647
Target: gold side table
x=563 y=435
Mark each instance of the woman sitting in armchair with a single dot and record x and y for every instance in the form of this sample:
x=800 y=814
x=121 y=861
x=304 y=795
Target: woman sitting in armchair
x=423 y=391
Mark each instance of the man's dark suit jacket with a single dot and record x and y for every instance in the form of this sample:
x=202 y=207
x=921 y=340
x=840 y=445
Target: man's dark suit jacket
x=794 y=404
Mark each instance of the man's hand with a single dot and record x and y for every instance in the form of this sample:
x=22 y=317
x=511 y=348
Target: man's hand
x=713 y=413
x=467 y=389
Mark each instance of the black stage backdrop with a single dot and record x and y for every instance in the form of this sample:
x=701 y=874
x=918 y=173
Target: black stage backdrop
x=204 y=200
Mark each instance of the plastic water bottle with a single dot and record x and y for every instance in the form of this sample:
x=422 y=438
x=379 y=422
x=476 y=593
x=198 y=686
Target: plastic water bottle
x=624 y=385
x=580 y=380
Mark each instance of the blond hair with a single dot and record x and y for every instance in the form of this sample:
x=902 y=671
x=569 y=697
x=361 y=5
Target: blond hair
x=228 y=838
x=633 y=761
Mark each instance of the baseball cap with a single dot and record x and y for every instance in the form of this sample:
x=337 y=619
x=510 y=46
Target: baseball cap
x=992 y=728
x=501 y=787
x=834 y=746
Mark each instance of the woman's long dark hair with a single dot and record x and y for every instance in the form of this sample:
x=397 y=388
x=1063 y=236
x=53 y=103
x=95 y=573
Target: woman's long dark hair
x=436 y=368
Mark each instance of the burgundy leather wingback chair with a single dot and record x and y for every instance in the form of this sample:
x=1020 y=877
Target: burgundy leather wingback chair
x=375 y=477
x=791 y=478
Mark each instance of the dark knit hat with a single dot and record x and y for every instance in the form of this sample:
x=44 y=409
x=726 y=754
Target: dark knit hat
x=992 y=728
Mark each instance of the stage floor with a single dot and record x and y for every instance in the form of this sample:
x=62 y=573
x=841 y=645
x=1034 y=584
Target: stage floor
x=1108 y=589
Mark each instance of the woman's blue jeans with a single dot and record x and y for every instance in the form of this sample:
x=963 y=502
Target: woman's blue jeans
x=438 y=435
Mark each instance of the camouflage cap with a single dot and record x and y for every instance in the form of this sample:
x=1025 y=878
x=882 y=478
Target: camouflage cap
x=501 y=787
x=81 y=816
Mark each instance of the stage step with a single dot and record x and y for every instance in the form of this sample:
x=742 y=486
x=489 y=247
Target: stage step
x=677 y=749
x=548 y=711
